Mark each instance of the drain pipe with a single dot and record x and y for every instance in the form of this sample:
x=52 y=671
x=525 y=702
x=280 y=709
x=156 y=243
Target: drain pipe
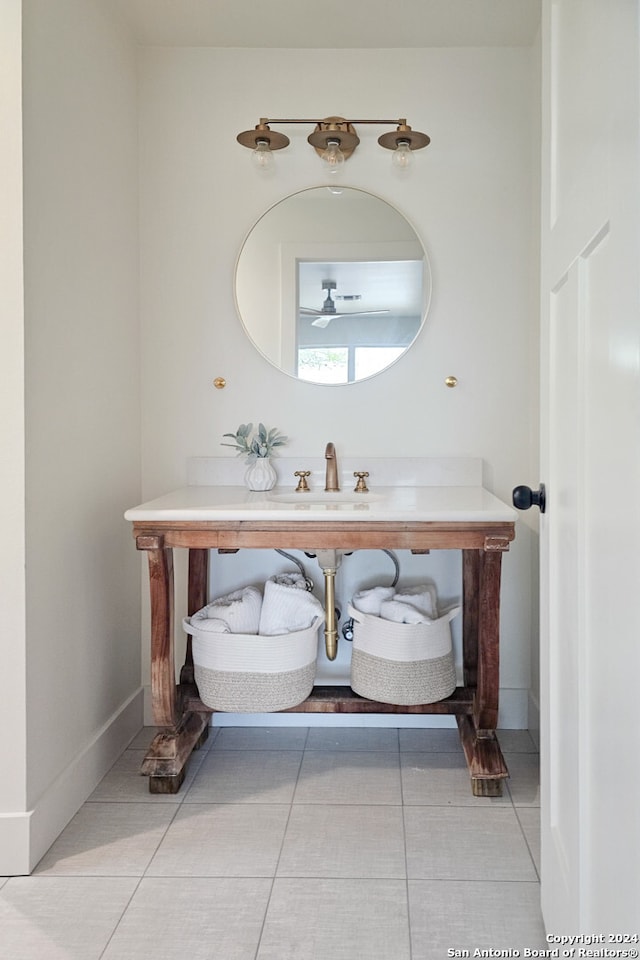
x=329 y=561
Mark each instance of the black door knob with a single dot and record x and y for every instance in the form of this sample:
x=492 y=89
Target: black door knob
x=525 y=497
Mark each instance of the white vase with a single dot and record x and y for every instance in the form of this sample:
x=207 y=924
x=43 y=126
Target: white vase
x=260 y=475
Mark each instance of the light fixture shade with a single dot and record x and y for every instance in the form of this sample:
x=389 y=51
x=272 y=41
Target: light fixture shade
x=334 y=128
x=413 y=138
x=262 y=132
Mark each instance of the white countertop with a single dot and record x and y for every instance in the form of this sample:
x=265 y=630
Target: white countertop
x=462 y=504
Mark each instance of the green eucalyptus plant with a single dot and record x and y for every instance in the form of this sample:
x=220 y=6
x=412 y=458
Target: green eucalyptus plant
x=256 y=445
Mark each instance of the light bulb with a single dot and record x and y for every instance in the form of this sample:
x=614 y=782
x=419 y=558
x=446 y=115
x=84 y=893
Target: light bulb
x=262 y=155
x=401 y=156
x=333 y=156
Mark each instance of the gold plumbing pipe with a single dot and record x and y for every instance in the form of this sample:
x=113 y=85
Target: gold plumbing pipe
x=330 y=628
x=329 y=561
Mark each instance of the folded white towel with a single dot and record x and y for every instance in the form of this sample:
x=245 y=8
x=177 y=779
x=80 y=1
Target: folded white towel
x=401 y=612
x=368 y=601
x=422 y=598
x=286 y=607
x=240 y=610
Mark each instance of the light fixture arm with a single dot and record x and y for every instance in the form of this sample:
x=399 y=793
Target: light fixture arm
x=377 y=123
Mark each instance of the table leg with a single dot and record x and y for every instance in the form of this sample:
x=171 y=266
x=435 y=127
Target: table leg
x=470 y=608
x=485 y=762
x=481 y=638
x=166 y=759
x=485 y=713
x=167 y=756
x=198 y=585
x=163 y=680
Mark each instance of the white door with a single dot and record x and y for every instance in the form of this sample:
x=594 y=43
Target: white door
x=590 y=462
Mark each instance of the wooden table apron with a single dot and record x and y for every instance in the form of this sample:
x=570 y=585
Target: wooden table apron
x=177 y=707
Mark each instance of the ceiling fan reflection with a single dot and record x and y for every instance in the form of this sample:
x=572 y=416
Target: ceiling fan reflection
x=329 y=312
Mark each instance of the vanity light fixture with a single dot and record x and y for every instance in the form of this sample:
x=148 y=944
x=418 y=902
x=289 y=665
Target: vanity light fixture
x=334 y=139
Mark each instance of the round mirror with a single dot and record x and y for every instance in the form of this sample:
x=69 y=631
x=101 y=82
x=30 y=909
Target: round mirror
x=332 y=285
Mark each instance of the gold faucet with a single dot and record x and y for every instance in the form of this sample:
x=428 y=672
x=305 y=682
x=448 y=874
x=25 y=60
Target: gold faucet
x=331 y=483
x=361 y=485
x=303 y=486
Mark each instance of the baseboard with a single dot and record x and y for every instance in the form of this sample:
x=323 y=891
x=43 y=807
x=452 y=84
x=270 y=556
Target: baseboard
x=26 y=836
x=14 y=843
x=534 y=719
x=513 y=714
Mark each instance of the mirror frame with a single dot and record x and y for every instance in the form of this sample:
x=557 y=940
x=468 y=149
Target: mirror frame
x=288 y=277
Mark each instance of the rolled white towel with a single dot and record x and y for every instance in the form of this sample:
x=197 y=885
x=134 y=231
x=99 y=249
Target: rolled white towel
x=368 y=601
x=210 y=624
x=422 y=597
x=286 y=608
x=401 y=612
x=240 y=610
x=290 y=580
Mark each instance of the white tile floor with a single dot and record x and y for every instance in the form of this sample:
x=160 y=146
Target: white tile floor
x=291 y=843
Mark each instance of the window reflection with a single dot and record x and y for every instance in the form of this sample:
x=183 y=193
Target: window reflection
x=344 y=364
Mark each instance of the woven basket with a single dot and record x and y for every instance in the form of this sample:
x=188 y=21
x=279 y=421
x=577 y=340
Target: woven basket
x=402 y=663
x=249 y=673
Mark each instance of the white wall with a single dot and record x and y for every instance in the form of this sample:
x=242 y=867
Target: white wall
x=14 y=825
x=470 y=197
x=76 y=701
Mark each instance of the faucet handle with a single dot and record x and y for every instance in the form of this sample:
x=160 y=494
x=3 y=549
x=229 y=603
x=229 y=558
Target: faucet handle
x=303 y=486
x=361 y=485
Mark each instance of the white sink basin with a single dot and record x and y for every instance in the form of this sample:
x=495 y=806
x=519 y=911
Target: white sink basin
x=321 y=497
x=220 y=502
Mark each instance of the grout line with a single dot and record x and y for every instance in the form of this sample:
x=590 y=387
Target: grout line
x=121 y=918
x=526 y=840
x=406 y=861
x=277 y=863
x=160 y=841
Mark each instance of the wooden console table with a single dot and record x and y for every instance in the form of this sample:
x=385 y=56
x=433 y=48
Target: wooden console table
x=185 y=719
